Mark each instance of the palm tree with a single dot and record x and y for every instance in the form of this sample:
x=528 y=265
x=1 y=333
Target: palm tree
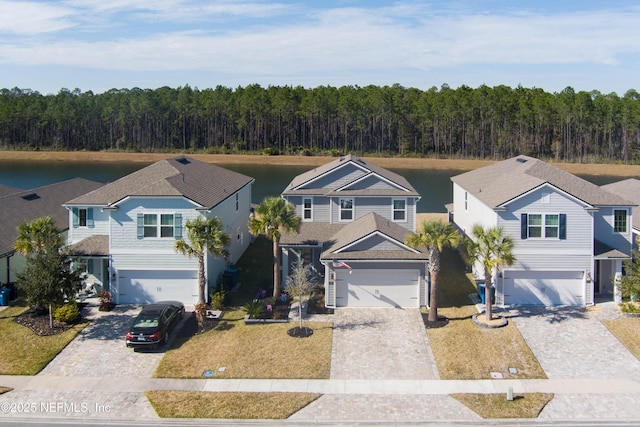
x=37 y=236
x=491 y=248
x=204 y=236
x=435 y=236
x=273 y=217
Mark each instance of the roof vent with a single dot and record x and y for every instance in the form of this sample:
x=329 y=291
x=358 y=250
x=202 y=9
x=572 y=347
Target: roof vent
x=183 y=160
x=31 y=196
x=521 y=160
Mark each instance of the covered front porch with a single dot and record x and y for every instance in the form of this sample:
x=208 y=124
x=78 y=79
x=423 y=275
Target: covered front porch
x=608 y=269
x=91 y=257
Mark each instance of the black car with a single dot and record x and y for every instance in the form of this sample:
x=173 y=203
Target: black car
x=151 y=328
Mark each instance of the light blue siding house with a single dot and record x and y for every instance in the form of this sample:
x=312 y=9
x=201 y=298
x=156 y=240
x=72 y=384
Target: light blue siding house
x=630 y=190
x=123 y=234
x=571 y=236
x=355 y=218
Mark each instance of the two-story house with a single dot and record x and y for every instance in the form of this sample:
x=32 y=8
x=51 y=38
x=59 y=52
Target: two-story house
x=355 y=218
x=571 y=236
x=630 y=190
x=123 y=234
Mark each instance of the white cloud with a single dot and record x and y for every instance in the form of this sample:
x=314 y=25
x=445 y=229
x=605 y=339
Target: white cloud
x=28 y=18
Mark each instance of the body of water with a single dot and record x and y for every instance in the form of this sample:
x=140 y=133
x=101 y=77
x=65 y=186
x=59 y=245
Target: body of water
x=434 y=185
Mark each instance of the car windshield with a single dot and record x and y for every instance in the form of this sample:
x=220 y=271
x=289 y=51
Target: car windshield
x=146 y=322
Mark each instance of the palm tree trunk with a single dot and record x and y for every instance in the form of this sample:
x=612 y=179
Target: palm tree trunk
x=201 y=280
x=433 y=297
x=276 y=268
x=487 y=295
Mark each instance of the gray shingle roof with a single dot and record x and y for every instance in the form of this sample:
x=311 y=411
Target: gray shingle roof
x=367 y=226
x=630 y=190
x=27 y=205
x=370 y=168
x=6 y=190
x=497 y=184
x=204 y=183
x=91 y=246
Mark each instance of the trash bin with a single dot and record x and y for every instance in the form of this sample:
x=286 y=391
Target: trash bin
x=481 y=293
x=4 y=296
x=233 y=275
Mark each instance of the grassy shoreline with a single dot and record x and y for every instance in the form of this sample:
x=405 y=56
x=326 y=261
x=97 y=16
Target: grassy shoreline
x=311 y=161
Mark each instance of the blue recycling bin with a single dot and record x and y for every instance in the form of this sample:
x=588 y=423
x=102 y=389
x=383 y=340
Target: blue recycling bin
x=481 y=293
x=4 y=296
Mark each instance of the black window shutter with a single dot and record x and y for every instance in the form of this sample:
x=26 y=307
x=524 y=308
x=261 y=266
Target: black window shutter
x=563 y=227
x=524 y=226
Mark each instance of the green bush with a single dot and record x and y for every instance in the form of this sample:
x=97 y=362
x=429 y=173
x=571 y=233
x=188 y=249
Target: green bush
x=629 y=308
x=67 y=313
x=217 y=300
x=253 y=309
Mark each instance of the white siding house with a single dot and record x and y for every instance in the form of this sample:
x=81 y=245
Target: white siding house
x=568 y=247
x=124 y=233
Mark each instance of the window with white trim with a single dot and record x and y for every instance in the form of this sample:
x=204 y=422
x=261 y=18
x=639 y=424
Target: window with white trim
x=346 y=209
x=620 y=220
x=544 y=226
x=399 y=209
x=154 y=228
x=307 y=209
x=82 y=217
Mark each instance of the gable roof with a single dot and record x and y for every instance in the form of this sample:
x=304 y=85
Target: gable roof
x=203 y=183
x=366 y=227
x=497 y=184
x=27 y=205
x=368 y=169
x=6 y=190
x=629 y=189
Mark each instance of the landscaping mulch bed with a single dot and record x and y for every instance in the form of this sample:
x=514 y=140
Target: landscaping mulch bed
x=38 y=321
x=316 y=303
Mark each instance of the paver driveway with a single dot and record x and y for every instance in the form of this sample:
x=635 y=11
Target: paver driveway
x=100 y=350
x=570 y=342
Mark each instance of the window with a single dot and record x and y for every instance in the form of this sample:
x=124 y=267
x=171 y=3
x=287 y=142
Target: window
x=160 y=225
x=399 y=210
x=307 y=209
x=620 y=221
x=544 y=226
x=346 y=209
x=82 y=217
x=150 y=225
x=466 y=201
x=166 y=225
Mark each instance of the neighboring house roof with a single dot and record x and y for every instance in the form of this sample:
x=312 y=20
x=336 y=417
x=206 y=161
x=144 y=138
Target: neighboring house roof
x=399 y=186
x=6 y=190
x=91 y=246
x=27 y=205
x=497 y=184
x=205 y=184
x=630 y=190
x=366 y=227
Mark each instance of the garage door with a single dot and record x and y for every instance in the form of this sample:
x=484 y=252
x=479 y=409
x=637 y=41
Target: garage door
x=139 y=287
x=544 y=287
x=377 y=288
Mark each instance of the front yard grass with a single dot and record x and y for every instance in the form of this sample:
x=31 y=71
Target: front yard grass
x=22 y=352
x=496 y=405
x=465 y=351
x=627 y=330
x=182 y=404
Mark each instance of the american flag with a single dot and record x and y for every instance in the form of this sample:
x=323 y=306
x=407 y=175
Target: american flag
x=340 y=264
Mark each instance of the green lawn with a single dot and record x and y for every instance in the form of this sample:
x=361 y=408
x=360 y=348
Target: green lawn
x=22 y=352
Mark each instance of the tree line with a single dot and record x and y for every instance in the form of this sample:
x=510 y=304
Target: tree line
x=483 y=122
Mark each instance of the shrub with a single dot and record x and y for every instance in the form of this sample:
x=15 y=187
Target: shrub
x=253 y=309
x=67 y=313
x=629 y=308
x=105 y=300
x=201 y=314
x=218 y=300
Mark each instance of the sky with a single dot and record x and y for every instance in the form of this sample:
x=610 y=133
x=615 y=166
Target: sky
x=97 y=45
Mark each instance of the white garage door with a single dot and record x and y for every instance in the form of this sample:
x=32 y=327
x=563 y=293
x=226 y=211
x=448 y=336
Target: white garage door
x=544 y=287
x=139 y=287
x=377 y=288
